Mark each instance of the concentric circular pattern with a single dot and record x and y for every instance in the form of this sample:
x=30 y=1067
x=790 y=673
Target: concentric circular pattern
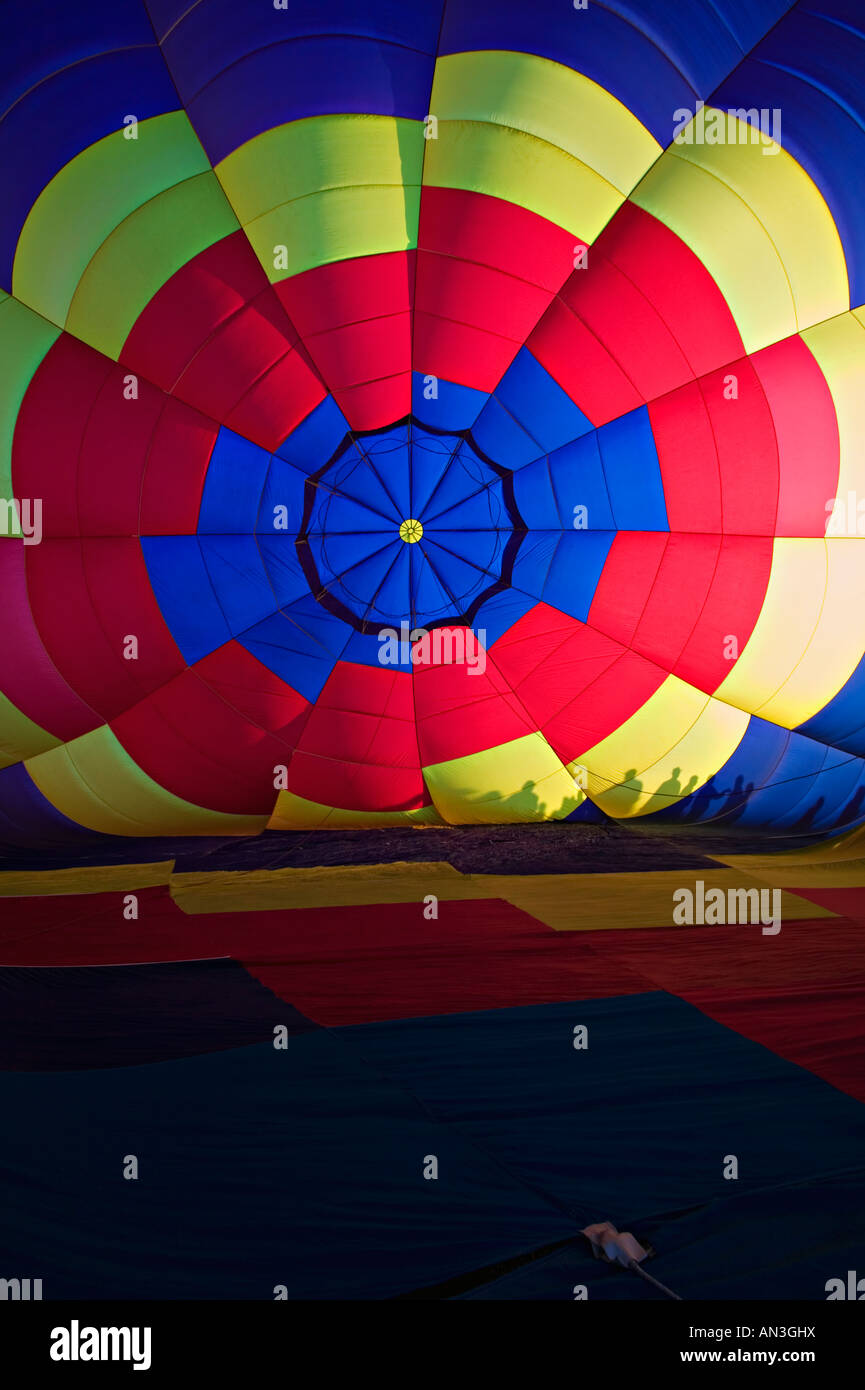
x=459 y=504
x=438 y=317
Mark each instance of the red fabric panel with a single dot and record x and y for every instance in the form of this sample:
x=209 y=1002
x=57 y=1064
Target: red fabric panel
x=196 y=745
x=188 y=309
x=50 y=428
x=347 y=355
x=676 y=282
x=176 y=469
x=747 y=450
x=356 y=965
x=87 y=597
x=478 y=296
x=627 y=325
x=582 y=366
x=549 y=658
x=732 y=607
x=457 y=352
x=335 y=964
x=360 y=740
x=240 y=352
x=462 y=710
x=32 y=681
x=376 y=403
x=785 y=992
x=254 y=691
x=366 y=287
x=623 y=589
x=688 y=459
x=491 y=232
x=821 y=1029
x=114 y=455
x=616 y=694
x=806 y=430
x=278 y=402
x=675 y=603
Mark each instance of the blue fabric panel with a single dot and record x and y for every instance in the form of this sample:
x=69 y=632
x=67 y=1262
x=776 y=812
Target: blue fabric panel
x=633 y=473
x=184 y=592
x=283 y=488
x=503 y=438
x=538 y=403
x=454 y=407
x=233 y=486
x=578 y=480
x=315 y=439
x=575 y=570
x=300 y=644
x=239 y=579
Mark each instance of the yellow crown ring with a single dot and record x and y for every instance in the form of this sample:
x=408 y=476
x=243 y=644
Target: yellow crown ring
x=410 y=531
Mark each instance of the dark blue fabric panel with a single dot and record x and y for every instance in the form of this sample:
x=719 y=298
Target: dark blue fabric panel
x=62 y=116
x=596 y=42
x=292 y=81
x=842 y=722
x=783 y=1244
x=258 y=1167
x=637 y=1124
x=72 y=1018
x=713 y=38
x=27 y=818
x=185 y=594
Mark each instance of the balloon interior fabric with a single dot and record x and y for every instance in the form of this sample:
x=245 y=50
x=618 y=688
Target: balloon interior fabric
x=416 y=416
x=432 y=414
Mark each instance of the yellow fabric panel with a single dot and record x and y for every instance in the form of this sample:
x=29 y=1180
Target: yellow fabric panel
x=761 y=227
x=327 y=188
x=95 y=782
x=618 y=902
x=335 y=225
x=836 y=645
x=838 y=863
x=813 y=588
x=100 y=878
x=667 y=750
x=329 y=886
x=550 y=101
x=839 y=348
x=522 y=169
x=296 y=813
x=522 y=780
x=19 y=736
x=90 y=197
